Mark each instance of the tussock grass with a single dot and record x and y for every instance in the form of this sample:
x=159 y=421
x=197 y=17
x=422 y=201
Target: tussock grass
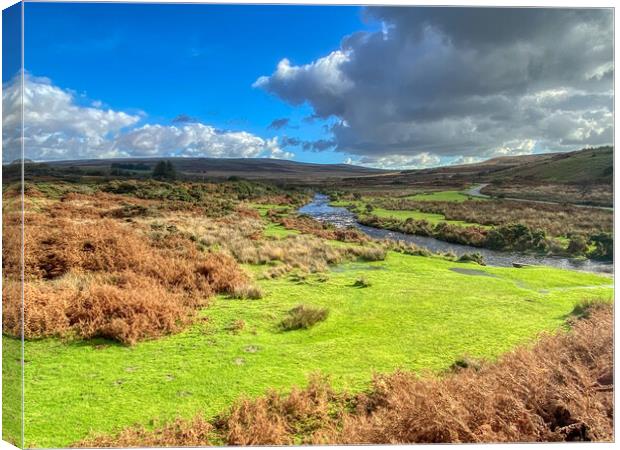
x=362 y=282
x=252 y=292
x=303 y=317
x=472 y=257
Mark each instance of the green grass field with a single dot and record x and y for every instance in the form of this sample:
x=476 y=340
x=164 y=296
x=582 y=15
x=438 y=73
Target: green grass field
x=582 y=166
x=419 y=215
x=443 y=196
x=417 y=314
x=403 y=214
x=11 y=390
x=439 y=196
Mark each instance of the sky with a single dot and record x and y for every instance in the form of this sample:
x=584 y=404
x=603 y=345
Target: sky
x=384 y=87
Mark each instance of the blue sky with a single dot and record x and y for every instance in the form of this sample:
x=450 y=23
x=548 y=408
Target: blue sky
x=387 y=87
x=198 y=60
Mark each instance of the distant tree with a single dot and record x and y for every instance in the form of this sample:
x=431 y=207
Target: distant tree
x=164 y=170
x=159 y=171
x=171 y=172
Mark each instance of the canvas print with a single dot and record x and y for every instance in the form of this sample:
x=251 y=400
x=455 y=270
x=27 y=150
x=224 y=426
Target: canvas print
x=306 y=224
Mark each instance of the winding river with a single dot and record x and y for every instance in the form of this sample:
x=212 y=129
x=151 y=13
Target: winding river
x=320 y=209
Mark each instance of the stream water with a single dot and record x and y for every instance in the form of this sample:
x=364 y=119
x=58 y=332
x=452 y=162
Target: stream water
x=320 y=209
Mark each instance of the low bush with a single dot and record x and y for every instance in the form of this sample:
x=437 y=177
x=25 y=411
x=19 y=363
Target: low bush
x=586 y=307
x=578 y=245
x=604 y=246
x=97 y=277
x=124 y=307
x=466 y=362
x=303 y=317
x=506 y=237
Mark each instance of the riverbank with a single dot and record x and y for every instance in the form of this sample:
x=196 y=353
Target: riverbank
x=321 y=210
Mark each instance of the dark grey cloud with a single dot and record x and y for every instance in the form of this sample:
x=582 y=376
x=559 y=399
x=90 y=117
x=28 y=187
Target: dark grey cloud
x=286 y=141
x=462 y=82
x=313 y=146
x=184 y=118
x=319 y=145
x=278 y=124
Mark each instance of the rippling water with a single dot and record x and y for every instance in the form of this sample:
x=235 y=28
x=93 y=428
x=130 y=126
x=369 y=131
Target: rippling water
x=320 y=209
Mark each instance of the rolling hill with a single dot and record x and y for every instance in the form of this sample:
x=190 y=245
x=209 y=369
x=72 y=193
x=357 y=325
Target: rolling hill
x=587 y=166
x=248 y=168
x=583 y=166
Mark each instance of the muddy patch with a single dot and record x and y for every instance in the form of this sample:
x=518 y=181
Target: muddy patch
x=473 y=272
x=352 y=267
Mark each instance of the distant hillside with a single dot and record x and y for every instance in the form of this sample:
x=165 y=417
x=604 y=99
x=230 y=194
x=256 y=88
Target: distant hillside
x=583 y=166
x=589 y=166
x=249 y=168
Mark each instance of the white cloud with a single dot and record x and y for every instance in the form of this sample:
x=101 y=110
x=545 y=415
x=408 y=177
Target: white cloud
x=196 y=139
x=57 y=127
x=398 y=162
x=514 y=148
x=466 y=160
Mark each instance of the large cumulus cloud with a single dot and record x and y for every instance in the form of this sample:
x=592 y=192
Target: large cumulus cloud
x=462 y=82
x=56 y=126
x=59 y=126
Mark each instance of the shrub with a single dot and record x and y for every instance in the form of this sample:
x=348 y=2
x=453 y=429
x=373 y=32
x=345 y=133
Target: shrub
x=107 y=279
x=126 y=314
x=604 y=243
x=466 y=362
x=124 y=306
x=577 y=245
x=303 y=316
x=584 y=308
